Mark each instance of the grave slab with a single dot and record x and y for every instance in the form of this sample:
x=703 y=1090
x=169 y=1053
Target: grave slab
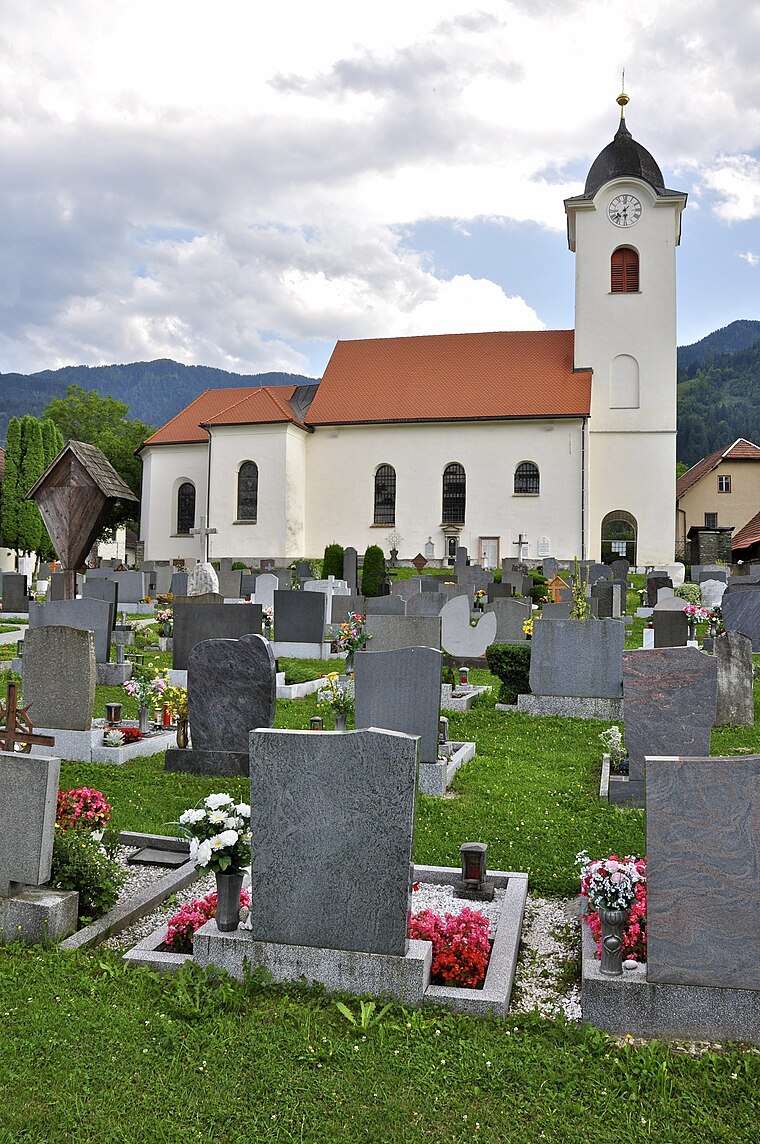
x=401 y=690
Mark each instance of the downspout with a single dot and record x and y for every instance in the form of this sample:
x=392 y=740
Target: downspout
x=583 y=488
x=208 y=491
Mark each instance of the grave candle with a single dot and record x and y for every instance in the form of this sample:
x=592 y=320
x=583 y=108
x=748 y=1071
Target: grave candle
x=464 y=675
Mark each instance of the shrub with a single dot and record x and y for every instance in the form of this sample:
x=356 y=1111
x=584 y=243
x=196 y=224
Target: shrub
x=239 y=566
x=538 y=591
x=81 y=809
x=332 y=565
x=692 y=593
x=373 y=571
x=81 y=863
x=511 y=664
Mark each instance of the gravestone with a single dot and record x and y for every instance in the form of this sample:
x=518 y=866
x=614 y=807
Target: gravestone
x=389 y=633
x=15 y=592
x=712 y=572
x=330 y=813
x=510 y=617
x=231 y=688
x=195 y=622
x=343 y=606
x=265 y=587
x=596 y=572
x=401 y=691
x=620 y=568
x=178 y=586
x=580 y=658
x=202 y=580
x=385 y=606
x=713 y=592
x=665 y=594
x=163 y=572
x=461 y=560
x=550 y=567
x=425 y=604
x=29 y=785
x=458 y=637
x=607 y=596
x=304 y=570
x=86 y=614
x=560 y=611
x=107 y=590
x=741 y=613
x=248 y=584
x=677 y=573
x=351 y=570
x=57 y=589
x=654 y=583
x=230 y=583
x=703 y=855
x=133 y=586
x=499 y=592
x=58 y=670
x=451 y=591
x=670 y=699
x=671 y=627
x=733 y=653
x=299 y=617
x=407 y=588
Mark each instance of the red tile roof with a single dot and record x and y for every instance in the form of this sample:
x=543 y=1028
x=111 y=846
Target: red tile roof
x=741 y=450
x=246 y=405
x=452 y=377
x=258 y=407
x=748 y=535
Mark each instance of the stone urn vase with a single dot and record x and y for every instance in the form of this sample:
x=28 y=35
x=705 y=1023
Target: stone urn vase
x=144 y=720
x=228 y=887
x=613 y=922
x=340 y=721
x=183 y=732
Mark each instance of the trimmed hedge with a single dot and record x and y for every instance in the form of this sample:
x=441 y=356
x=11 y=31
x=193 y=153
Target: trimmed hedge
x=373 y=571
x=511 y=664
x=332 y=565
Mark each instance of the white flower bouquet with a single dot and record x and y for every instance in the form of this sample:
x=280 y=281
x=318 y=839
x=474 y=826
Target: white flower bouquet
x=609 y=884
x=219 y=833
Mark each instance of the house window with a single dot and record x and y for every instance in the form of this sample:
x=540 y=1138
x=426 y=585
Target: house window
x=454 y=494
x=724 y=484
x=185 y=509
x=248 y=491
x=624 y=271
x=527 y=478
x=711 y=520
x=385 y=495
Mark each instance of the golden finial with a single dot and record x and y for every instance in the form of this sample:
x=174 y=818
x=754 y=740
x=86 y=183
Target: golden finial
x=622 y=99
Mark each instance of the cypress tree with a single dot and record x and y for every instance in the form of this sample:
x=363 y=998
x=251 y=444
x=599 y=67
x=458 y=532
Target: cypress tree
x=10 y=491
x=332 y=564
x=52 y=443
x=373 y=571
x=32 y=468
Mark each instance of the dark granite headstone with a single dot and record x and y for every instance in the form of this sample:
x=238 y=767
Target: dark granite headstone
x=56 y=589
x=179 y=583
x=602 y=592
x=712 y=572
x=654 y=583
x=299 y=617
x=304 y=570
x=671 y=627
x=741 y=613
x=342 y=606
x=670 y=702
x=733 y=653
x=329 y=813
x=703 y=857
x=350 y=569
x=87 y=614
x=499 y=592
x=401 y=690
x=194 y=623
x=15 y=592
x=578 y=657
x=620 y=569
x=248 y=584
x=107 y=590
x=550 y=567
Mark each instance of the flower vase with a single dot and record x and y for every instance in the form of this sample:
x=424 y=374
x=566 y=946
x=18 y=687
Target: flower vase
x=713 y=631
x=144 y=717
x=228 y=887
x=340 y=721
x=612 y=941
x=350 y=665
x=182 y=732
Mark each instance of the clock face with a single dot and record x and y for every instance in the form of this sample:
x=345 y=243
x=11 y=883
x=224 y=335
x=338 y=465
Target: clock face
x=624 y=210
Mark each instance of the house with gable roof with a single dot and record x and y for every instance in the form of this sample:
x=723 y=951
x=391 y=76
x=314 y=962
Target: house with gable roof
x=550 y=442
x=721 y=493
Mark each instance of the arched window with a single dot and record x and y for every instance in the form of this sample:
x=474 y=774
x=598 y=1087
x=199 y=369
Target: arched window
x=454 y=494
x=248 y=491
x=624 y=271
x=185 y=508
x=527 y=478
x=385 y=495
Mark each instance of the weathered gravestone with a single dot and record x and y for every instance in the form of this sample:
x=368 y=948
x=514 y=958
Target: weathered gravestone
x=510 y=616
x=196 y=622
x=87 y=614
x=677 y=572
x=299 y=617
x=560 y=611
x=665 y=594
x=425 y=604
x=407 y=588
x=670 y=697
x=713 y=592
x=202 y=580
x=15 y=593
x=401 y=691
x=351 y=569
x=385 y=606
x=58 y=670
x=620 y=568
x=654 y=583
x=231 y=688
x=550 y=567
x=703 y=856
x=741 y=613
x=389 y=633
x=28 y=794
x=671 y=627
x=733 y=653
x=458 y=637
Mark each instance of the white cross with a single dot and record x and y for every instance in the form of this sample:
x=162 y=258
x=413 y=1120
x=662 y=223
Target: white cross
x=204 y=534
x=520 y=542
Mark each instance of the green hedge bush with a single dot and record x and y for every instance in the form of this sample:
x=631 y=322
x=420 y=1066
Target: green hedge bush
x=511 y=664
x=332 y=565
x=373 y=571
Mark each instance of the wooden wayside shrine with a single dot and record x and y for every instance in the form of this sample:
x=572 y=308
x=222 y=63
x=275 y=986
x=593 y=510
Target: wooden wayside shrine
x=74 y=496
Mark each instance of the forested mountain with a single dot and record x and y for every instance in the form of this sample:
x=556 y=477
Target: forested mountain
x=719 y=391
x=154 y=391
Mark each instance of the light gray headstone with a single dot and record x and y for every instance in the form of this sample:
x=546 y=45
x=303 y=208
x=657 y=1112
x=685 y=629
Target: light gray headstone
x=332 y=813
x=425 y=604
x=459 y=637
x=266 y=586
x=389 y=633
x=733 y=653
x=712 y=593
x=58 y=671
x=583 y=658
x=665 y=594
x=231 y=690
x=385 y=606
x=510 y=616
x=407 y=588
x=230 y=582
x=133 y=586
x=401 y=690
x=88 y=614
x=677 y=573
x=202 y=580
x=28 y=794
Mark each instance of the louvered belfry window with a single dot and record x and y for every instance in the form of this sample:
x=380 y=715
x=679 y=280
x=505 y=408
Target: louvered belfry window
x=624 y=271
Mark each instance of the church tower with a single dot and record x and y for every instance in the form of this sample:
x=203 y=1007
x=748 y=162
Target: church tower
x=624 y=230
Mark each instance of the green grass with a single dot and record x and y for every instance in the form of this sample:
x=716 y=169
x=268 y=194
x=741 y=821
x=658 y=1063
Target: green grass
x=93 y=1051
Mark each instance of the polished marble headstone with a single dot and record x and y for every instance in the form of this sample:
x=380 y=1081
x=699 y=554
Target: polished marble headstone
x=671 y=627
x=299 y=617
x=703 y=857
x=196 y=622
x=733 y=653
x=741 y=613
x=333 y=829
x=401 y=690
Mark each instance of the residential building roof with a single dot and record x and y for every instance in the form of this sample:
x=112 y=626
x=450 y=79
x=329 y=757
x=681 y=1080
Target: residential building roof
x=748 y=535
x=740 y=450
x=452 y=377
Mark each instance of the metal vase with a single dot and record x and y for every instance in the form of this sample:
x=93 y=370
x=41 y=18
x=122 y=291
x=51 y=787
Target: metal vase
x=613 y=922
x=182 y=732
x=349 y=669
x=144 y=720
x=228 y=887
x=340 y=721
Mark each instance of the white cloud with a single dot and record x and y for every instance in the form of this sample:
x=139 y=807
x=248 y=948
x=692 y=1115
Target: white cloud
x=736 y=181
x=750 y=258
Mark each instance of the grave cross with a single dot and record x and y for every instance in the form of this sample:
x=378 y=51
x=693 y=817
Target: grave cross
x=203 y=532
x=18 y=726
x=520 y=542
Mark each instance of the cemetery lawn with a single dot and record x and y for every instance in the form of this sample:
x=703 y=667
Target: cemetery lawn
x=96 y=1051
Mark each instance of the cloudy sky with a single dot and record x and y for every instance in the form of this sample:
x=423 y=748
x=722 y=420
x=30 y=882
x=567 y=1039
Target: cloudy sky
x=239 y=185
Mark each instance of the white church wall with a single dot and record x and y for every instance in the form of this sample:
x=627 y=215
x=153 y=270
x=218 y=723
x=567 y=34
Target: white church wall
x=635 y=472
x=342 y=460
x=165 y=468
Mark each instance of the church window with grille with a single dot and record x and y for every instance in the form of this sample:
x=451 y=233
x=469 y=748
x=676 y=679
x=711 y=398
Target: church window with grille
x=185 y=508
x=454 y=494
x=624 y=271
x=385 y=495
x=527 y=478
x=248 y=491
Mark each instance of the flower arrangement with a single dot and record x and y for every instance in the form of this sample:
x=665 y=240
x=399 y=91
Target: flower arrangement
x=715 y=620
x=267 y=616
x=131 y=735
x=460 y=944
x=480 y=598
x=146 y=689
x=352 y=634
x=176 y=697
x=528 y=627
x=164 y=616
x=219 y=833
x=696 y=614
x=113 y=738
x=612 y=741
x=635 y=928
x=81 y=809
x=610 y=883
x=183 y=926
x=338 y=698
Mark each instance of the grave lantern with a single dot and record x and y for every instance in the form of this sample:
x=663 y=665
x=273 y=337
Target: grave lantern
x=316 y=723
x=473 y=884
x=113 y=712
x=20 y=648
x=443 y=729
x=464 y=676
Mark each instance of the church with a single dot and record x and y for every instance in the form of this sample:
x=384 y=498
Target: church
x=542 y=443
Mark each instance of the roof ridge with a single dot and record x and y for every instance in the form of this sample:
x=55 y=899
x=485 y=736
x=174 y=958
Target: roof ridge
x=284 y=406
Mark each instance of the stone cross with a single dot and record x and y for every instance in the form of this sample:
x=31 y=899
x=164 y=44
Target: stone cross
x=521 y=542
x=203 y=532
